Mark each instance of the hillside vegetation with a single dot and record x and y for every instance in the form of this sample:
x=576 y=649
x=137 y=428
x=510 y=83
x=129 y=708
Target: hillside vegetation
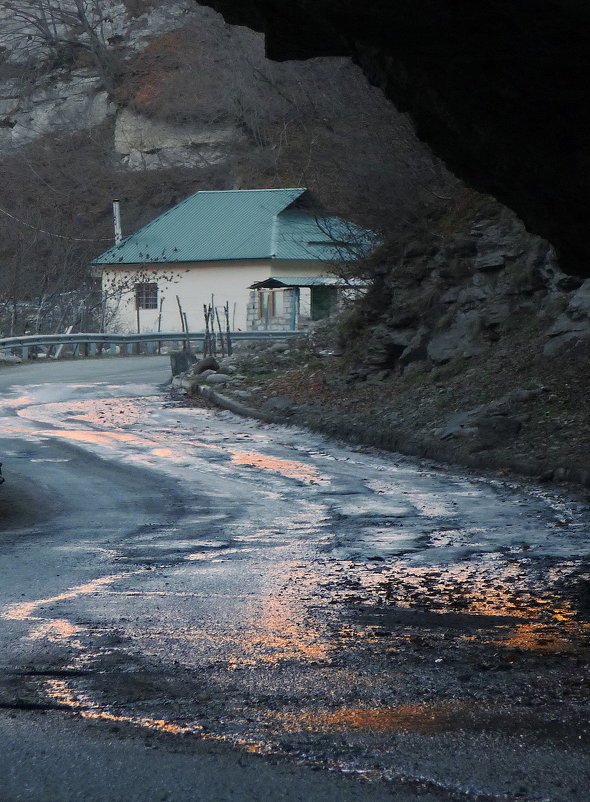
x=167 y=103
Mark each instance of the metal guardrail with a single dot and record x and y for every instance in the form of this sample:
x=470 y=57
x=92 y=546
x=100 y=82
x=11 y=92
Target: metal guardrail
x=81 y=344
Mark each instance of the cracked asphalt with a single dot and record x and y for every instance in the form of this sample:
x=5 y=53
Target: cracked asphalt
x=196 y=606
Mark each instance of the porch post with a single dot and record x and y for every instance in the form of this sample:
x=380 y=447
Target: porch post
x=295 y=309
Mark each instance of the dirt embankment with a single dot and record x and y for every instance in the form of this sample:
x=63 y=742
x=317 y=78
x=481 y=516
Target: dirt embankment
x=511 y=409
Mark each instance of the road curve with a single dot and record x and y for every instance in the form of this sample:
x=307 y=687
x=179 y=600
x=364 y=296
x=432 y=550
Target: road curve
x=196 y=606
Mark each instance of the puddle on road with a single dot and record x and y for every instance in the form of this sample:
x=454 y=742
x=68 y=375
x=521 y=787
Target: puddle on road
x=284 y=650
x=117 y=423
x=424 y=719
x=55 y=630
x=288 y=468
x=60 y=631
x=23 y=611
x=100 y=438
x=62 y=694
x=51 y=460
x=295 y=660
x=426 y=504
x=532 y=608
x=544 y=637
x=281 y=627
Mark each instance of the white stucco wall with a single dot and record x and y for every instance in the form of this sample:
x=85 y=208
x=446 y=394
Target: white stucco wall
x=194 y=284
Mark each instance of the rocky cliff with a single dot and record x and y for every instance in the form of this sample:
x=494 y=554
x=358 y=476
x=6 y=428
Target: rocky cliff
x=453 y=290
x=498 y=89
x=45 y=93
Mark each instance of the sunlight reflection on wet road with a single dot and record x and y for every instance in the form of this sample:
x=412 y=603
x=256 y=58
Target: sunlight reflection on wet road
x=371 y=523
x=294 y=560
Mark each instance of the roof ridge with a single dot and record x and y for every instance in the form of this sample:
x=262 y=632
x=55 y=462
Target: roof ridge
x=261 y=189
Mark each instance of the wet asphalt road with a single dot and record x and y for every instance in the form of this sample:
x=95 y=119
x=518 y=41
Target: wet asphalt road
x=195 y=606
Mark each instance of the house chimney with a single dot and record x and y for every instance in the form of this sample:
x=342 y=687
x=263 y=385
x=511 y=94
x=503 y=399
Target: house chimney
x=117 y=221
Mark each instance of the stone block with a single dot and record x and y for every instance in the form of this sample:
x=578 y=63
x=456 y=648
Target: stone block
x=218 y=378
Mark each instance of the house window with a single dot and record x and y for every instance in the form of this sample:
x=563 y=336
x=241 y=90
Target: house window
x=146 y=296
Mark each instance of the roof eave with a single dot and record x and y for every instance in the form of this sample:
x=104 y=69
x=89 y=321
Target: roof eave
x=193 y=261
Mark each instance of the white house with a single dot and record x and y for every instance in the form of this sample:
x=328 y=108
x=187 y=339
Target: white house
x=264 y=253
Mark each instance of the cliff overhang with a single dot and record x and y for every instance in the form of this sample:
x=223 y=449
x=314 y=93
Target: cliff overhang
x=499 y=90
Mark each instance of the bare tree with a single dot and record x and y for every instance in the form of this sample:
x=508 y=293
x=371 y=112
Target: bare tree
x=44 y=279
x=61 y=27
x=293 y=127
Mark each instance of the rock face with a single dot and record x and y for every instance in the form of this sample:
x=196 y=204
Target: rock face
x=67 y=100
x=57 y=103
x=498 y=89
x=574 y=324
x=453 y=294
x=153 y=144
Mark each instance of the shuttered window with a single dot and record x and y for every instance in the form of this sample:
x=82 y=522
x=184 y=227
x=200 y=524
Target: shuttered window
x=146 y=296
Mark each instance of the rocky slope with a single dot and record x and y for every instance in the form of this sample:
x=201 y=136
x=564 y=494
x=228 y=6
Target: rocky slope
x=461 y=285
x=471 y=346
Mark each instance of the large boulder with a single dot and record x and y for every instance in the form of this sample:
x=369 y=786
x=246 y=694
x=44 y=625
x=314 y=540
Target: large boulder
x=573 y=325
x=279 y=404
x=489 y=425
x=218 y=378
x=208 y=363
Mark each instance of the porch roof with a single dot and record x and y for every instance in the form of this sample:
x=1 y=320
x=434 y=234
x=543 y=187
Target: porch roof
x=274 y=283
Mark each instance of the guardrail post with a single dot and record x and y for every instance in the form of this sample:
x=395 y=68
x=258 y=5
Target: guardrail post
x=112 y=349
x=150 y=347
x=91 y=349
x=24 y=353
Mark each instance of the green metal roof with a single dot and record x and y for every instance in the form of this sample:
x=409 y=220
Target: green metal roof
x=300 y=234
x=233 y=225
